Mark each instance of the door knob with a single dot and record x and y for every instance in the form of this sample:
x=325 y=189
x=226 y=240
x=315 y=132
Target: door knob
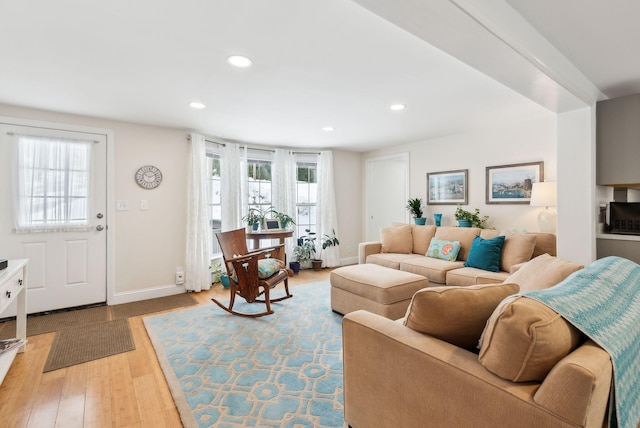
x=99 y=228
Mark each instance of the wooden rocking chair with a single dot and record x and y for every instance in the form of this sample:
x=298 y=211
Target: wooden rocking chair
x=242 y=267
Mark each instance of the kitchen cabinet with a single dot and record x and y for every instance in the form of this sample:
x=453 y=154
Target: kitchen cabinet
x=618 y=141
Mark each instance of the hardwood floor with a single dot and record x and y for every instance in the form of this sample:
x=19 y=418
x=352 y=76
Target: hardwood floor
x=124 y=390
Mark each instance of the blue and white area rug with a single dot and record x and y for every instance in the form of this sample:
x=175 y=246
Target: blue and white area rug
x=281 y=370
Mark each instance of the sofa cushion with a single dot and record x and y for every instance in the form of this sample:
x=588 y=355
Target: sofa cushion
x=518 y=248
x=443 y=250
x=396 y=239
x=542 y=272
x=472 y=276
x=524 y=339
x=485 y=253
x=422 y=238
x=389 y=260
x=435 y=270
x=463 y=234
x=455 y=314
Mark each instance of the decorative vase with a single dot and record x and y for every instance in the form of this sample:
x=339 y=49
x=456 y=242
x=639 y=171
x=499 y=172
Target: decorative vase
x=421 y=221
x=464 y=223
x=224 y=279
x=255 y=226
x=438 y=219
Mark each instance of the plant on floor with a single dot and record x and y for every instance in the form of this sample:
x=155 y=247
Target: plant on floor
x=472 y=217
x=216 y=272
x=305 y=251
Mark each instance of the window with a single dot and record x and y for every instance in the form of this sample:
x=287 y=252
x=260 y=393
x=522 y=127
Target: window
x=215 y=200
x=306 y=196
x=52 y=185
x=259 y=189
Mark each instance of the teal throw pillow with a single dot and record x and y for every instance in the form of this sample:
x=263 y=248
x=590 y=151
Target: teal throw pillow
x=485 y=254
x=444 y=250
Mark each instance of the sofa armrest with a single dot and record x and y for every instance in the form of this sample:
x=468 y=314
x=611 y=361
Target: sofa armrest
x=367 y=248
x=588 y=371
x=395 y=376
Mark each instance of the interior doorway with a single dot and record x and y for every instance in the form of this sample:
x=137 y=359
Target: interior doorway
x=387 y=189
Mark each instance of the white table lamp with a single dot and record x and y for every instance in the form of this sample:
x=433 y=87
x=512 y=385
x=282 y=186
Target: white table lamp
x=545 y=195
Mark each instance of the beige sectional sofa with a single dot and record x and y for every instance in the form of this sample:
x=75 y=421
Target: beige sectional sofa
x=531 y=368
x=404 y=247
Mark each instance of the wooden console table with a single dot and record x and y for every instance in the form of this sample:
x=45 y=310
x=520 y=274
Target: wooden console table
x=13 y=286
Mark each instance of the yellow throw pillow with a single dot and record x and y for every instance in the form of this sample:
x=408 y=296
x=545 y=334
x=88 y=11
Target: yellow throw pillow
x=456 y=314
x=524 y=339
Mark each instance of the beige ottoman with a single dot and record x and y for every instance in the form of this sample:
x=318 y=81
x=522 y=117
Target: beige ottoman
x=377 y=289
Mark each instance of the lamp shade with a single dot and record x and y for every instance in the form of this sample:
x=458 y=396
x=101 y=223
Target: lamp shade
x=543 y=194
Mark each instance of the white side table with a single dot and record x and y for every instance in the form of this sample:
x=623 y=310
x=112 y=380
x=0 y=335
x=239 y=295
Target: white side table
x=13 y=285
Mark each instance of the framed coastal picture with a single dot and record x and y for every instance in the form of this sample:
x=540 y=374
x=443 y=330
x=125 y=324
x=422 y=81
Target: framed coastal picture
x=511 y=184
x=447 y=187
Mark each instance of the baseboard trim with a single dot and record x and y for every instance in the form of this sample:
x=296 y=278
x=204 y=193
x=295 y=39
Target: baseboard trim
x=349 y=261
x=147 y=293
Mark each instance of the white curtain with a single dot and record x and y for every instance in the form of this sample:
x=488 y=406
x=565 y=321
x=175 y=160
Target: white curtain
x=52 y=184
x=231 y=178
x=283 y=179
x=198 y=275
x=328 y=217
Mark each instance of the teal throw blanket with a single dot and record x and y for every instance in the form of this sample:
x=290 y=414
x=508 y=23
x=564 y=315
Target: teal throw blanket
x=603 y=301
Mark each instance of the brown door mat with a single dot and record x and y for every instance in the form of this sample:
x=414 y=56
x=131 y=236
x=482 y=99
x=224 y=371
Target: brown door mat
x=158 y=304
x=76 y=345
x=40 y=324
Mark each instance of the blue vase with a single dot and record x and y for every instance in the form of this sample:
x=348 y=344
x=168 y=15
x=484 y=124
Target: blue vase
x=438 y=219
x=255 y=226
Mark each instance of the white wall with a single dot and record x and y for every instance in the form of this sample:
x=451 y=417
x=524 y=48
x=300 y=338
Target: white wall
x=348 y=172
x=148 y=245
x=578 y=204
x=530 y=141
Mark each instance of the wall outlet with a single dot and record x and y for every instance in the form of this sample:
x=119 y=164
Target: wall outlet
x=179 y=276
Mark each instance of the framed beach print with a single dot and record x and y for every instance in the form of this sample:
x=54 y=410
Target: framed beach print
x=512 y=184
x=447 y=187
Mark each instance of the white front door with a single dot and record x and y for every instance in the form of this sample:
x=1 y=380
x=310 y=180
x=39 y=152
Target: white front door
x=67 y=266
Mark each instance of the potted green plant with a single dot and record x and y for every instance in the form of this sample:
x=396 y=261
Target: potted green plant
x=216 y=272
x=285 y=220
x=305 y=251
x=328 y=241
x=415 y=208
x=470 y=219
x=253 y=218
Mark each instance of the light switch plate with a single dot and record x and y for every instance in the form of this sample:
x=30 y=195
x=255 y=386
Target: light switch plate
x=144 y=204
x=122 y=205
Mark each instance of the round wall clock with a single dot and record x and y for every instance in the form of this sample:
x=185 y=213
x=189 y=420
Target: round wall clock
x=148 y=177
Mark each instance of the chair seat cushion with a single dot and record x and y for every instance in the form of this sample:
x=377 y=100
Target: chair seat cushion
x=267 y=267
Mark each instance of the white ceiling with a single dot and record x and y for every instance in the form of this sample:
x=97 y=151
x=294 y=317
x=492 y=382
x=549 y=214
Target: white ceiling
x=316 y=63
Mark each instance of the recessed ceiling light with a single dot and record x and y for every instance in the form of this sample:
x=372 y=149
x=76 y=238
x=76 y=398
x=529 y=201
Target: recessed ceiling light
x=239 y=61
x=328 y=128
x=196 y=104
x=397 y=107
